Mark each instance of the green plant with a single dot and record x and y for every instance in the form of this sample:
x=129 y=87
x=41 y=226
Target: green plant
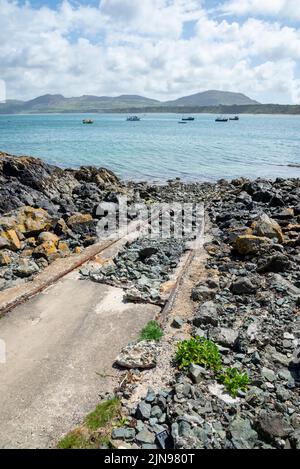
x=96 y=429
x=199 y=351
x=103 y=414
x=234 y=381
x=74 y=440
x=121 y=422
x=152 y=331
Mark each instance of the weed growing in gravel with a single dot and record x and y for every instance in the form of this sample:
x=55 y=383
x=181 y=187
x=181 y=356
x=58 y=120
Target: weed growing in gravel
x=75 y=440
x=204 y=352
x=199 y=351
x=96 y=429
x=234 y=381
x=103 y=414
x=152 y=331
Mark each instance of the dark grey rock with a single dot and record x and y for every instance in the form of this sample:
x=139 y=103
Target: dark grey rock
x=206 y=314
x=123 y=433
x=242 y=434
x=145 y=436
x=272 y=425
x=202 y=293
x=268 y=374
x=225 y=336
x=156 y=411
x=143 y=411
x=177 y=323
x=197 y=373
x=184 y=429
x=243 y=286
x=151 y=395
x=277 y=263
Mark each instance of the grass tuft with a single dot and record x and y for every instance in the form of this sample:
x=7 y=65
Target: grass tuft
x=152 y=331
x=96 y=430
x=74 y=440
x=103 y=414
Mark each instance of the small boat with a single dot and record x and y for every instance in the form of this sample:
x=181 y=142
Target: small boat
x=182 y=122
x=133 y=119
x=236 y=118
x=87 y=121
x=221 y=119
x=188 y=119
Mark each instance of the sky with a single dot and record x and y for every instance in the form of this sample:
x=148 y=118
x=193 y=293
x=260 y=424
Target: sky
x=162 y=49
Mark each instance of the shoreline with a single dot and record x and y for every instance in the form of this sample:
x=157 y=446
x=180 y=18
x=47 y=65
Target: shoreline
x=158 y=182
x=49 y=212
x=137 y=111
x=242 y=295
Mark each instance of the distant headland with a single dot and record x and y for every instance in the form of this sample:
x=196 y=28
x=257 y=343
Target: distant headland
x=205 y=102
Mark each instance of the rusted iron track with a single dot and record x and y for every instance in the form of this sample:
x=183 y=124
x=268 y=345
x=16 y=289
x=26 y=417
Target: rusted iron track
x=14 y=296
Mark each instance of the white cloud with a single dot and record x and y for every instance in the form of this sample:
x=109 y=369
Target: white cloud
x=134 y=46
x=274 y=8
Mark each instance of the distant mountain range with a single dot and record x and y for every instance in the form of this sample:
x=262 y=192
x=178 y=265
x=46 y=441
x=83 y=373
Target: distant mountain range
x=217 y=102
x=213 y=98
x=58 y=103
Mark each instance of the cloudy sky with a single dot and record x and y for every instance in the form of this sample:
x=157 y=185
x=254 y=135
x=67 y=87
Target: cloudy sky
x=158 y=48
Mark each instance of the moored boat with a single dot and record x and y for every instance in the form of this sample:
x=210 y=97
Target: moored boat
x=133 y=119
x=221 y=119
x=235 y=118
x=188 y=119
x=87 y=121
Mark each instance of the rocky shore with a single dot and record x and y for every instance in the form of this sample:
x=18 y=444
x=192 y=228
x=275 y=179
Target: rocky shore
x=247 y=306
x=46 y=213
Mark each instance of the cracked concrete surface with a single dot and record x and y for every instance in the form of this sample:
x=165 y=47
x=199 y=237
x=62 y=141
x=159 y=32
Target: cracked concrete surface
x=57 y=344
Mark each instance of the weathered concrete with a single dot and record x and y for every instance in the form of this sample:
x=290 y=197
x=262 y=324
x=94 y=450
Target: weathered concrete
x=59 y=344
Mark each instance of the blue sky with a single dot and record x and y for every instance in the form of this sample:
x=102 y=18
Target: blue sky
x=158 y=48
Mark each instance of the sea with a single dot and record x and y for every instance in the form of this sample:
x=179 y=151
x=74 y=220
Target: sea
x=158 y=148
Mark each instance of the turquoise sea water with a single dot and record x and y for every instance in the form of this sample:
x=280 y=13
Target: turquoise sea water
x=158 y=148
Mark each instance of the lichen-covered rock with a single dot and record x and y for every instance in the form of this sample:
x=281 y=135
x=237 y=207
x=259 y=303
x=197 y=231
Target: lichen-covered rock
x=61 y=227
x=100 y=176
x=249 y=244
x=5 y=258
x=266 y=227
x=63 y=249
x=3 y=242
x=34 y=220
x=138 y=355
x=47 y=250
x=27 y=220
x=47 y=236
x=12 y=238
x=79 y=218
